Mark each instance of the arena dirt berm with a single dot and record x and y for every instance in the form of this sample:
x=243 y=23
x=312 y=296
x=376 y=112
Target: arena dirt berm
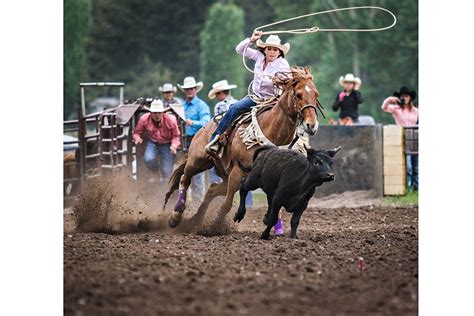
x=120 y=257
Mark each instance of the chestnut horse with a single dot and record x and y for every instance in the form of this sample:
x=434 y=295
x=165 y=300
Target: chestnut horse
x=298 y=101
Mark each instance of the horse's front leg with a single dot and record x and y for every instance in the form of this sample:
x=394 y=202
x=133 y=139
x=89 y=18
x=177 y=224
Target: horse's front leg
x=233 y=184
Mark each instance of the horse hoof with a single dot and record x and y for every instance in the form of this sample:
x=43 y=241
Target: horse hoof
x=174 y=219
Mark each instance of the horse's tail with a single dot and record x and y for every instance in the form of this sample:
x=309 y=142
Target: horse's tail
x=260 y=149
x=173 y=183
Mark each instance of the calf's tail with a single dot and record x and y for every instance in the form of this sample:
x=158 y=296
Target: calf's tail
x=173 y=183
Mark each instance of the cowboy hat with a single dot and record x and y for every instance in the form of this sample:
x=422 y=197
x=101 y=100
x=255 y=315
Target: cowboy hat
x=219 y=86
x=405 y=90
x=190 y=82
x=350 y=78
x=157 y=107
x=274 y=41
x=167 y=87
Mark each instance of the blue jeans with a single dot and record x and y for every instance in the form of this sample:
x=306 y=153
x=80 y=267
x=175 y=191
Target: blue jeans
x=153 y=151
x=412 y=171
x=235 y=110
x=197 y=182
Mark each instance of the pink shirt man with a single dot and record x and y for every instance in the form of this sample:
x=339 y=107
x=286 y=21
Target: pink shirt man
x=164 y=132
x=262 y=85
x=403 y=117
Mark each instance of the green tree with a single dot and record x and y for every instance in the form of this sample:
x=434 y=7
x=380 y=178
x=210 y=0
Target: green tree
x=77 y=21
x=222 y=31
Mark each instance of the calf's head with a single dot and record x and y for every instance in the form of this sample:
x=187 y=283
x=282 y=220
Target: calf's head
x=321 y=162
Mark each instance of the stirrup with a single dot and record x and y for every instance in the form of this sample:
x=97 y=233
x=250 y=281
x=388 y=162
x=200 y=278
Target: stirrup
x=214 y=148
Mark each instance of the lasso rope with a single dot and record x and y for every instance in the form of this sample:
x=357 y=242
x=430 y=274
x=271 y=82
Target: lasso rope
x=315 y=29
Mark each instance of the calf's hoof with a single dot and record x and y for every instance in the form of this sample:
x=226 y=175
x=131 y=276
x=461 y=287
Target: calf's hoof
x=265 y=236
x=238 y=216
x=174 y=219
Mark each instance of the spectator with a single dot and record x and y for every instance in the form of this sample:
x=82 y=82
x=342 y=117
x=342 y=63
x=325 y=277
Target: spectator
x=221 y=91
x=405 y=114
x=162 y=139
x=176 y=104
x=348 y=100
x=167 y=94
x=197 y=114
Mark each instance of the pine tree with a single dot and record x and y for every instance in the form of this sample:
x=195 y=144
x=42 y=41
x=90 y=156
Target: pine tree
x=222 y=31
x=77 y=21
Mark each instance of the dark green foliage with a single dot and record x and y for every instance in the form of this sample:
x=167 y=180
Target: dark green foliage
x=221 y=33
x=77 y=21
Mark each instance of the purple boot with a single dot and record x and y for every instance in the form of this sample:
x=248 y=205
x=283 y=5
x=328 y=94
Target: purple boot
x=279 y=228
x=181 y=202
x=179 y=207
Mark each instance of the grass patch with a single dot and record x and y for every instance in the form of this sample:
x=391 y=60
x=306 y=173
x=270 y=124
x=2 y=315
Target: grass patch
x=409 y=198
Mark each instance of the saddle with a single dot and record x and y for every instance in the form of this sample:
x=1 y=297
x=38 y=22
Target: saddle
x=241 y=119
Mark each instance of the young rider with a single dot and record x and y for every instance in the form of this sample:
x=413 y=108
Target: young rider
x=269 y=59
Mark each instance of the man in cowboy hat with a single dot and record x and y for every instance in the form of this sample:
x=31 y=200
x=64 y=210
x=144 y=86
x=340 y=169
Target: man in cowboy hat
x=197 y=114
x=162 y=139
x=221 y=91
x=167 y=93
x=348 y=100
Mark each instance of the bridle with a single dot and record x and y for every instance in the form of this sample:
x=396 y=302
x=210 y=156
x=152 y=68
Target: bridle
x=316 y=107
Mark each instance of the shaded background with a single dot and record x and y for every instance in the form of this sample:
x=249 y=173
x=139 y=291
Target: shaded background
x=147 y=42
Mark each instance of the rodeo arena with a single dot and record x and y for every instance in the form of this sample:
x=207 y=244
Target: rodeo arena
x=265 y=208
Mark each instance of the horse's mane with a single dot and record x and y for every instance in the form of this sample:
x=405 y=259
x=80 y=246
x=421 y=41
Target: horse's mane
x=287 y=80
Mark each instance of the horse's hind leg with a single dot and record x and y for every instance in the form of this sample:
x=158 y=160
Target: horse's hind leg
x=184 y=184
x=216 y=189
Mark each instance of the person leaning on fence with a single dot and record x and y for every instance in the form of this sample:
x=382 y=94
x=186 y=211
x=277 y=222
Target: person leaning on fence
x=348 y=100
x=197 y=114
x=167 y=95
x=269 y=59
x=402 y=107
x=161 y=133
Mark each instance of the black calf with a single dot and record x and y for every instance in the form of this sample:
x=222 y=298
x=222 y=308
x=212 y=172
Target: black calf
x=288 y=178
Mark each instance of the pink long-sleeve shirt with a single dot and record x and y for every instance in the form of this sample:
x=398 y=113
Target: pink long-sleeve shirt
x=165 y=132
x=403 y=117
x=262 y=85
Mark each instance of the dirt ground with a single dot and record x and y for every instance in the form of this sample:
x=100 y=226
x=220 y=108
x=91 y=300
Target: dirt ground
x=142 y=267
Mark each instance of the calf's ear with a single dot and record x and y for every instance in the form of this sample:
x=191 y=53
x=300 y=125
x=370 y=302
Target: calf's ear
x=334 y=151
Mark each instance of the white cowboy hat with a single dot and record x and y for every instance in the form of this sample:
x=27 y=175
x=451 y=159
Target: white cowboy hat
x=190 y=82
x=274 y=41
x=167 y=87
x=350 y=78
x=220 y=86
x=157 y=107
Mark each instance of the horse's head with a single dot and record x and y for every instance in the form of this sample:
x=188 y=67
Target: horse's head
x=300 y=96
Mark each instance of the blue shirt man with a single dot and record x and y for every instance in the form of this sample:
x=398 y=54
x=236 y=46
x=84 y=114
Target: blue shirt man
x=196 y=111
x=197 y=114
